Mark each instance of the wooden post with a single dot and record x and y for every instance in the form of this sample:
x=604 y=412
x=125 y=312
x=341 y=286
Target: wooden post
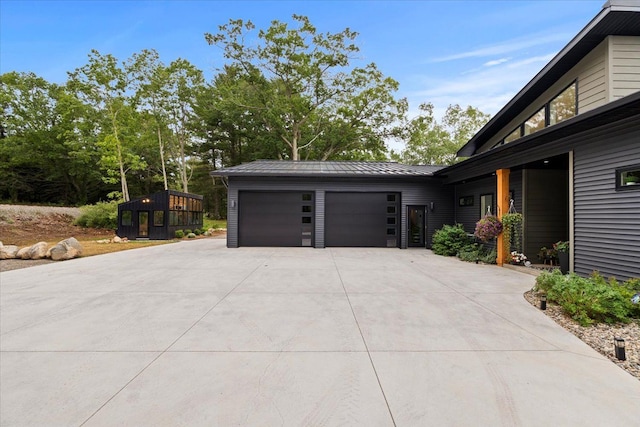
x=502 y=176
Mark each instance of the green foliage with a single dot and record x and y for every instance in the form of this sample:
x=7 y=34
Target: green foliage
x=449 y=240
x=188 y=231
x=589 y=300
x=197 y=231
x=179 y=234
x=561 y=246
x=512 y=230
x=100 y=215
x=436 y=143
x=477 y=253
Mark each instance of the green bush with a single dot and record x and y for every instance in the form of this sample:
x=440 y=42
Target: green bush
x=449 y=240
x=589 y=300
x=188 y=231
x=100 y=215
x=477 y=253
x=197 y=232
x=179 y=234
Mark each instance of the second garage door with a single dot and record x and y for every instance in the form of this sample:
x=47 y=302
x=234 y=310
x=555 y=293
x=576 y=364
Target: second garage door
x=362 y=219
x=268 y=218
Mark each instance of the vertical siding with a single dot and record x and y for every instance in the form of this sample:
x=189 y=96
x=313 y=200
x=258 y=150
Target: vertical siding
x=412 y=193
x=319 y=224
x=546 y=216
x=607 y=222
x=624 y=54
x=592 y=79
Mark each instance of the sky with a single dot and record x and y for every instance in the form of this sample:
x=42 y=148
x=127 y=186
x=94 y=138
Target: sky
x=478 y=53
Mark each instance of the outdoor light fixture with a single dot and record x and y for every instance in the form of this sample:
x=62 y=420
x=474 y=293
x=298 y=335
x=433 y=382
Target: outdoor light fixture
x=432 y=206
x=146 y=200
x=233 y=203
x=543 y=302
x=618 y=344
x=546 y=162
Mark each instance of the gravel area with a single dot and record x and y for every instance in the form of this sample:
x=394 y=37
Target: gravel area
x=30 y=212
x=600 y=336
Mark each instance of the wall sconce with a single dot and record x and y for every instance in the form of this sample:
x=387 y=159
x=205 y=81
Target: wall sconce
x=146 y=200
x=233 y=203
x=432 y=206
x=543 y=302
x=618 y=344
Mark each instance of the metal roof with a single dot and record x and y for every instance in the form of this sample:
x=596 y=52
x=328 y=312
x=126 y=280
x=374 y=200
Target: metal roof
x=282 y=168
x=618 y=17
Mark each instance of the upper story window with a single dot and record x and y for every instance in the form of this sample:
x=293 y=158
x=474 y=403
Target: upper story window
x=562 y=107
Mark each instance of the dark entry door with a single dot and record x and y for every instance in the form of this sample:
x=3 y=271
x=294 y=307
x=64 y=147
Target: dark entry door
x=416 y=220
x=143 y=223
x=362 y=219
x=269 y=218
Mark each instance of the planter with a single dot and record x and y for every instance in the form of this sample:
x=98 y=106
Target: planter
x=563 y=259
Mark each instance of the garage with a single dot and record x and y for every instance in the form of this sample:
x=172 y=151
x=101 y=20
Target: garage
x=362 y=219
x=269 y=218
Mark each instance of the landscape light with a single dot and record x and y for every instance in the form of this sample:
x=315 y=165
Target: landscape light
x=543 y=302
x=618 y=344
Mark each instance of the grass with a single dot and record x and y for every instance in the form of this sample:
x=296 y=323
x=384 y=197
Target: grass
x=92 y=247
x=214 y=223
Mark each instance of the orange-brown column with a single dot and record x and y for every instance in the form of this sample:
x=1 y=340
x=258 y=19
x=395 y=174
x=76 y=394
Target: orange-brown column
x=502 y=176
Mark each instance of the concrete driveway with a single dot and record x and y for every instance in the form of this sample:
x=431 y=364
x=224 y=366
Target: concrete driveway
x=195 y=334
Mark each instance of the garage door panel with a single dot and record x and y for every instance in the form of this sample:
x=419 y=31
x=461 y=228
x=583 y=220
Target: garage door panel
x=361 y=219
x=274 y=218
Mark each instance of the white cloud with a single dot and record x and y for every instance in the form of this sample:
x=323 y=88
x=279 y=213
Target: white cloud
x=507 y=47
x=495 y=62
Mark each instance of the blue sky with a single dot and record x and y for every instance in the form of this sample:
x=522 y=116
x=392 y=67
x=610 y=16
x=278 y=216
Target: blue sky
x=477 y=53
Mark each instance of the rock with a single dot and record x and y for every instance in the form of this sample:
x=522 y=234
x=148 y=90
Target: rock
x=191 y=235
x=37 y=251
x=116 y=239
x=8 y=251
x=23 y=253
x=66 y=249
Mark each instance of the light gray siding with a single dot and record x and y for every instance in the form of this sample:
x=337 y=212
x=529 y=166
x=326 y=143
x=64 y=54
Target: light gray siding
x=546 y=215
x=592 y=79
x=418 y=192
x=607 y=222
x=624 y=54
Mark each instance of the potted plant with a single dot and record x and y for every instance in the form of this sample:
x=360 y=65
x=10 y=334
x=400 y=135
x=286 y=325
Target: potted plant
x=562 y=247
x=512 y=229
x=488 y=228
x=631 y=179
x=518 y=258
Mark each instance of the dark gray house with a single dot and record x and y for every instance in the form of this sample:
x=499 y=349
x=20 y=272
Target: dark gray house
x=159 y=215
x=566 y=149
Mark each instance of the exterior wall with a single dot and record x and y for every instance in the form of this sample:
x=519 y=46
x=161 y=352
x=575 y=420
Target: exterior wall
x=624 y=58
x=412 y=193
x=469 y=215
x=607 y=222
x=546 y=214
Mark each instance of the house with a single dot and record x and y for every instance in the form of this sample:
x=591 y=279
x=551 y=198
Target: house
x=159 y=215
x=565 y=149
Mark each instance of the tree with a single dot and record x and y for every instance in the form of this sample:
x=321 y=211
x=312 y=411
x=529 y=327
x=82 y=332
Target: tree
x=428 y=141
x=304 y=91
x=103 y=84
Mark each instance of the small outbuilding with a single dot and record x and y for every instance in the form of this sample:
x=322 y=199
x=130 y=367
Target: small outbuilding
x=159 y=215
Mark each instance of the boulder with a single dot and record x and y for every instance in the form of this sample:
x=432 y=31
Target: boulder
x=66 y=249
x=23 y=253
x=37 y=251
x=8 y=251
x=116 y=239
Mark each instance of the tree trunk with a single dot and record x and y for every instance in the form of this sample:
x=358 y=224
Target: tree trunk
x=164 y=170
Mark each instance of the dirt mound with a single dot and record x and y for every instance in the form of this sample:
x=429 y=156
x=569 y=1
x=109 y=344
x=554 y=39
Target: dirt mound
x=26 y=225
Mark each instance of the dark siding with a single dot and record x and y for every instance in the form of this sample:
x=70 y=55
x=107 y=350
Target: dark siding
x=546 y=216
x=607 y=222
x=469 y=215
x=413 y=192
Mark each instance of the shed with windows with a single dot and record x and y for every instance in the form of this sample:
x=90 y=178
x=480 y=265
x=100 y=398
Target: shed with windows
x=159 y=215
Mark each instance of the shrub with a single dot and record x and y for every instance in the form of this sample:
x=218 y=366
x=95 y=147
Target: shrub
x=188 y=231
x=197 y=232
x=477 y=253
x=179 y=234
x=100 y=215
x=449 y=240
x=589 y=300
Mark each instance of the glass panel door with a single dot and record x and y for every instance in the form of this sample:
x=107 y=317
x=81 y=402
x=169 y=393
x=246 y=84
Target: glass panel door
x=416 y=222
x=143 y=224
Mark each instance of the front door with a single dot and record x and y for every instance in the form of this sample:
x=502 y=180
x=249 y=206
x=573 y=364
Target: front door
x=416 y=217
x=143 y=224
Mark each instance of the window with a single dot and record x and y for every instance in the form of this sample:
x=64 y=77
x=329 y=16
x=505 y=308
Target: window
x=391 y=209
x=391 y=197
x=486 y=205
x=563 y=106
x=306 y=209
x=158 y=218
x=535 y=122
x=306 y=220
x=306 y=197
x=391 y=220
x=628 y=178
x=126 y=218
x=465 y=201
x=513 y=135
